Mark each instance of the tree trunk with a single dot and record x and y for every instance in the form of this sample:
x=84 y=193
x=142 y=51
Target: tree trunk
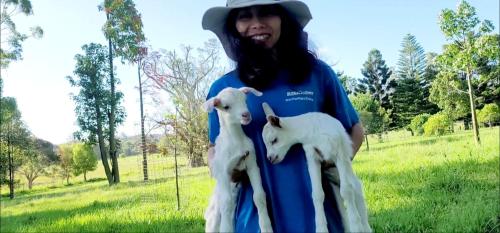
x=11 y=165
x=100 y=139
x=85 y=176
x=30 y=184
x=367 y=144
x=143 y=136
x=112 y=140
x=475 y=127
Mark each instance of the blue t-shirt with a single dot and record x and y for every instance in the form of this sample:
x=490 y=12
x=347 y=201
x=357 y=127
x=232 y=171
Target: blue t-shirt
x=287 y=184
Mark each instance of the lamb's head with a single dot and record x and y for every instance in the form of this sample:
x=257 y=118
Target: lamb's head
x=276 y=136
x=231 y=105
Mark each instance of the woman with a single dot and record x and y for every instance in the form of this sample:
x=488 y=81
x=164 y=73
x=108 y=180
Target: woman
x=266 y=40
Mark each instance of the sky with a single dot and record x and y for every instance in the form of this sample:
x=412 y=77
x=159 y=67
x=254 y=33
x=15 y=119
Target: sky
x=343 y=32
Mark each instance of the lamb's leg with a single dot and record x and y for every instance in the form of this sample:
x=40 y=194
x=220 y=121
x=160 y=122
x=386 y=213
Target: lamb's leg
x=333 y=180
x=227 y=206
x=259 y=195
x=212 y=214
x=349 y=191
x=361 y=204
x=318 y=196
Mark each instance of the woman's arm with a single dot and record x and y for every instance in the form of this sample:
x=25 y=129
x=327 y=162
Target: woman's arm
x=357 y=137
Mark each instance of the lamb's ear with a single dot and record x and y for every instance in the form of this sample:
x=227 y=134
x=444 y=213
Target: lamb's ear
x=275 y=121
x=268 y=110
x=210 y=104
x=246 y=90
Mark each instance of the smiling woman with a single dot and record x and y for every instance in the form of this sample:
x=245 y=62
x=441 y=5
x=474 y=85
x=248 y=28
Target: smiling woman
x=267 y=41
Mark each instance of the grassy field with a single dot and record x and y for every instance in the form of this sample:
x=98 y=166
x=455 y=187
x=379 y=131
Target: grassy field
x=412 y=184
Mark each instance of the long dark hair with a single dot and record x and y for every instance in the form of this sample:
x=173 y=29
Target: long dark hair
x=258 y=66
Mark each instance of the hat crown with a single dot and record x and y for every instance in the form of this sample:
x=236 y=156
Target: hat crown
x=236 y=3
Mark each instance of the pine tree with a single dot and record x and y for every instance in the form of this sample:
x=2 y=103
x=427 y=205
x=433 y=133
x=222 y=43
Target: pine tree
x=411 y=92
x=377 y=80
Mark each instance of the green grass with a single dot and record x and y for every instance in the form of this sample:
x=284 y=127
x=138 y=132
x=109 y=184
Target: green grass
x=412 y=184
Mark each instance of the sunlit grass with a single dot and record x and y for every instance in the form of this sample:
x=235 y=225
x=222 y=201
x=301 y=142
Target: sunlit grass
x=412 y=184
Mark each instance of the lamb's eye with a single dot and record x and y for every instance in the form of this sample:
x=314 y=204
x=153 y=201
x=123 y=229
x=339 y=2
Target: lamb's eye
x=274 y=141
x=227 y=107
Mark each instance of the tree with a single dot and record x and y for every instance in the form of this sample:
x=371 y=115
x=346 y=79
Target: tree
x=409 y=95
x=445 y=93
x=469 y=45
x=489 y=114
x=47 y=149
x=417 y=123
x=84 y=160
x=371 y=113
x=93 y=102
x=11 y=44
x=123 y=29
x=33 y=166
x=186 y=79
x=348 y=82
x=377 y=79
x=65 y=153
x=437 y=124
x=14 y=138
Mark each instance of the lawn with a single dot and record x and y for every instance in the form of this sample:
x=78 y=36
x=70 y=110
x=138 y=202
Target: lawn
x=412 y=184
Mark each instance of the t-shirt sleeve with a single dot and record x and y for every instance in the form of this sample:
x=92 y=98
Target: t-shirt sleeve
x=336 y=103
x=213 y=118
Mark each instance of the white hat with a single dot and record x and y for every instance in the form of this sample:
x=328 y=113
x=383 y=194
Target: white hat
x=215 y=18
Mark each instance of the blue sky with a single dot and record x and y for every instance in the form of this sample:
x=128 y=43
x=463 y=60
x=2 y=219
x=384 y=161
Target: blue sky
x=344 y=32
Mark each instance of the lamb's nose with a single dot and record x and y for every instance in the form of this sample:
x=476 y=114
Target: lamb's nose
x=246 y=115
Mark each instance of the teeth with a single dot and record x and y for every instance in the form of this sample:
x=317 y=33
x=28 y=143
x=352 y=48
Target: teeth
x=260 y=37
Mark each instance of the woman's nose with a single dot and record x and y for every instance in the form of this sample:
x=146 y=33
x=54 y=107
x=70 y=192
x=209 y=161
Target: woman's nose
x=256 y=23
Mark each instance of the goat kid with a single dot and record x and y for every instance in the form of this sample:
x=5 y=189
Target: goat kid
x=234 y=151
x=324 y=140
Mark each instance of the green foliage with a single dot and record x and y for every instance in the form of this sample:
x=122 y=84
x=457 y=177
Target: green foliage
x=15 y=138
x=94 y=97
x=447 y=93
x=417 y=123
x=348 y=82
x=471 y=46
x=377 y=79
x=437 y=124
x=372 y=115
x=33 y=165
x=411 y=63
x=11 y=47
x=123 y=28
x=84 y=160
x=65 y=152
x=490 y=114
x=410 y=97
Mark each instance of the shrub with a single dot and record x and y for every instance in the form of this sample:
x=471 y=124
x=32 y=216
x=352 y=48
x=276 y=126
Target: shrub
x=417 y=123
x=490 y=114
x=437 y=124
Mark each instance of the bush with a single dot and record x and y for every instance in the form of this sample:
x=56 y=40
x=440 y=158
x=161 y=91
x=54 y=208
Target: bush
x=437 y=124
x=417 y=123
x=490 y=114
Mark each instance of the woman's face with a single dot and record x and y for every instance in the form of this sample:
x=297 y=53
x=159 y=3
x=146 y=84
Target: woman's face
x=261 y=24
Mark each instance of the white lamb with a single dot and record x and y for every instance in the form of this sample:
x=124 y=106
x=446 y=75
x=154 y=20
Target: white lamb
x=324 y=140
x=234 y=151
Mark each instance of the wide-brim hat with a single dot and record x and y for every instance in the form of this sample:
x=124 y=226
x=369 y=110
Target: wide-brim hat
x=215 y=18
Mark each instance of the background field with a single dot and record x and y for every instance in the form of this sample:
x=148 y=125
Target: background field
x=412 y=184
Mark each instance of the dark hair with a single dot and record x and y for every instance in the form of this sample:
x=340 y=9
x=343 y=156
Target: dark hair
x=258 y=66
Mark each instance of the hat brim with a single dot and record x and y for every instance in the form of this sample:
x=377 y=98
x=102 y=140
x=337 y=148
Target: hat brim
x=215 y=18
